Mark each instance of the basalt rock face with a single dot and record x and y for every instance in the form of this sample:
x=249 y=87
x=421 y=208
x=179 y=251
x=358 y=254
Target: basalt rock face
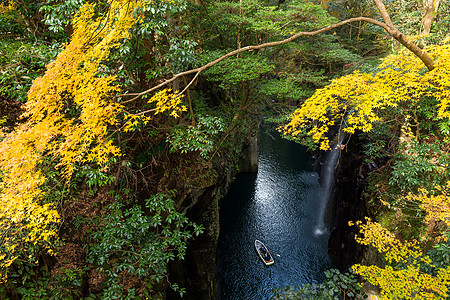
x=349 y=205
x=197 y=272
x=249 y=161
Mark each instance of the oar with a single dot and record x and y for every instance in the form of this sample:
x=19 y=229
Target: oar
x=275 y=254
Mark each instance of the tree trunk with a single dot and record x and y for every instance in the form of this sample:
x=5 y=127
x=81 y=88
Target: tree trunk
x=239 y=44
x=396 y=34
x=430 y=11
x=149 y=57
x=188 y=95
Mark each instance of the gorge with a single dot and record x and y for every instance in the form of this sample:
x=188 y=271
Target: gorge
x=285 y=203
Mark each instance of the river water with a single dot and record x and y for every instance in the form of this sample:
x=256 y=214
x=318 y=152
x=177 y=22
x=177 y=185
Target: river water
x=281 y=206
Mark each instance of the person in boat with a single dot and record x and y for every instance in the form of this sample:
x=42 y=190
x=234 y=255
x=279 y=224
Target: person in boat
x=264 y=253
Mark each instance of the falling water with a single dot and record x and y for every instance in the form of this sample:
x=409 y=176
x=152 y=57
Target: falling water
x=327 y=185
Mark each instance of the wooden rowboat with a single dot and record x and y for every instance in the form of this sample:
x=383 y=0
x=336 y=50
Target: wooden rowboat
x=263 y=253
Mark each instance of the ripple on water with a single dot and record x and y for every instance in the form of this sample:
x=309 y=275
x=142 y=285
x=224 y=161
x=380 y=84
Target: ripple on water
x=279 y=206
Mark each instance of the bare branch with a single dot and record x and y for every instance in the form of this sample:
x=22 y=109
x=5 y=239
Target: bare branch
x=250 y=48
x=388 y=26
x=188 y=85
x=384 y=14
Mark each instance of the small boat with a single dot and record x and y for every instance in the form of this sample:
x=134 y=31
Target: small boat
x=264 y=253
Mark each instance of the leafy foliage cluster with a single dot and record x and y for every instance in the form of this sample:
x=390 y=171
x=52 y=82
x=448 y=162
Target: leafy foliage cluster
x=360 y=97
x=337 y=285
x=403 y=277
x=201 y=138
x=128 y=243
x=421 y=165
x=22 y=62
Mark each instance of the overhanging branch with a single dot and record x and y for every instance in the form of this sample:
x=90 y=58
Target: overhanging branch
x=388 y=26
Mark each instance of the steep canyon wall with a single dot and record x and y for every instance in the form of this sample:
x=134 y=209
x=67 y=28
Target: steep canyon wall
x=197 y=272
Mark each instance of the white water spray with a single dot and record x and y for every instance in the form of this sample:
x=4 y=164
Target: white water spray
x=326 y=186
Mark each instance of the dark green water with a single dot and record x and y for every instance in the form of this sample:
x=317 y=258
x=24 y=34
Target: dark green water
x=280 y=205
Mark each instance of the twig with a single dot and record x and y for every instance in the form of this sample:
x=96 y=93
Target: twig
x=190 y=82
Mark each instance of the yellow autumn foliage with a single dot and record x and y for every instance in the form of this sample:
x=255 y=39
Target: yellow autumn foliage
x=360 y=97
x=69 y=113
x=436 y=206
x=6 y=7
x=166 y=101
x=402 y=277
x=163 y=101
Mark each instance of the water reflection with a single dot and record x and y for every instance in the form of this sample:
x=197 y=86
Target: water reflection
x=279 y=206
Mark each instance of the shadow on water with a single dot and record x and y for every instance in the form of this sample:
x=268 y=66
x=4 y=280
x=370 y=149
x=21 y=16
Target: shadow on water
x=280 y=206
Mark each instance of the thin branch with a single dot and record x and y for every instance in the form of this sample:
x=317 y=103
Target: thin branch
x=190 y=83
x=188 y=96
x=145 y=111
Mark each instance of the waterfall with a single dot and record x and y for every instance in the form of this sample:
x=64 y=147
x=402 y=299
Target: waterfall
x=326 y=187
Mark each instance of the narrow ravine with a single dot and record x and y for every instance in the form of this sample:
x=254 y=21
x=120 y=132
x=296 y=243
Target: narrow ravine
x=281 y=206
